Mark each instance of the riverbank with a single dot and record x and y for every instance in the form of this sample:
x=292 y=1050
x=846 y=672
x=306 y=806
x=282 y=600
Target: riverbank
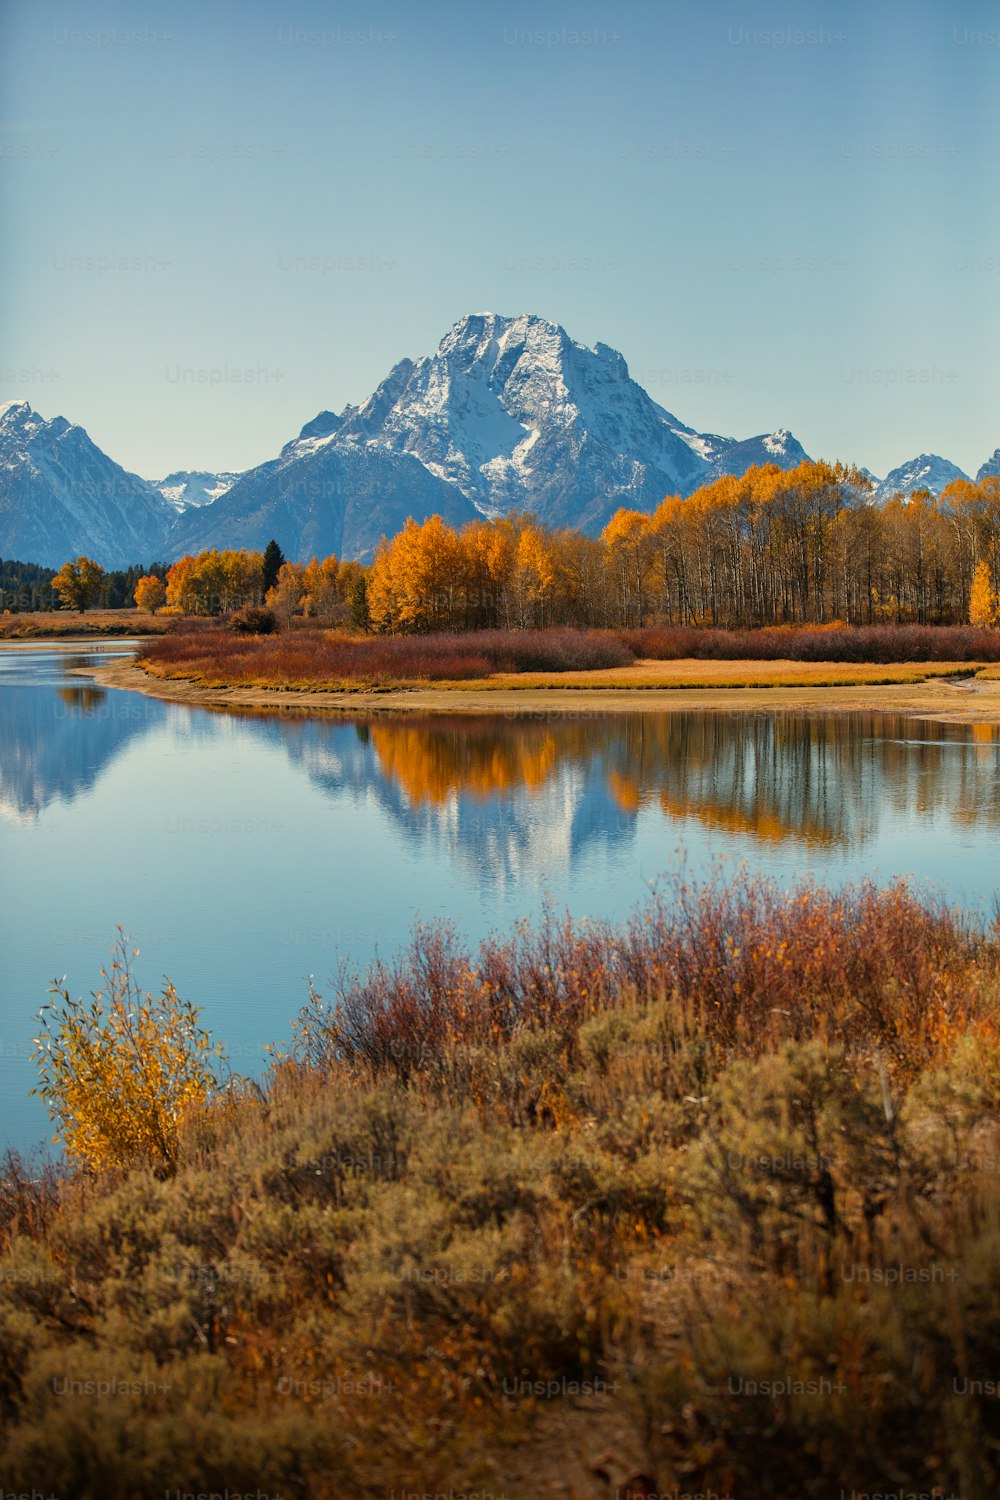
x=98 y=624
x=949 y=692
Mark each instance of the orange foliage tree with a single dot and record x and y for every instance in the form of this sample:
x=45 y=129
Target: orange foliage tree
x=150 y=593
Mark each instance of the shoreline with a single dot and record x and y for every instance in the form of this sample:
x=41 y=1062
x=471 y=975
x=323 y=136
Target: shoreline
x=80 y=643
x=971 y=702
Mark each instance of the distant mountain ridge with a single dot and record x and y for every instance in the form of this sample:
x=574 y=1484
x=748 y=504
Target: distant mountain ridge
x=507 y=414
x=193 y=487
x=928 y=471
x=60 y=496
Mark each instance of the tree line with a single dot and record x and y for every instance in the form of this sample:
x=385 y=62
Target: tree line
x=770 y=547
x=27 y=588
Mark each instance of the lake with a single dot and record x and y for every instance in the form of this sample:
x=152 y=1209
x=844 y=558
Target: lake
x=243 y=853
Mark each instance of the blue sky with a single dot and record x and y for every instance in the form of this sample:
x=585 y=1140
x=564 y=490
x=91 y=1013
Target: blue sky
x=219 y=219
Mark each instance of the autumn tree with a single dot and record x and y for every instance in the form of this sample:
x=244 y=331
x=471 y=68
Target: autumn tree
x=324 y=585
x=78 y=583
x=629 y=538
x=150 y=593
x=242 y=578
x=984 y=604
x=120 y=1075
x=286 y=595
x=415 y=578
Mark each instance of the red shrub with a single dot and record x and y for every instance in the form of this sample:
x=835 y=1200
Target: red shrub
x=870 y=967
x=846 y=643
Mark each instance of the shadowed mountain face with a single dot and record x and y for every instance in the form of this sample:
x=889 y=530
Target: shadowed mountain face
x=56 y=742
x=990 y=467
x=320 y=498
x=60 y=496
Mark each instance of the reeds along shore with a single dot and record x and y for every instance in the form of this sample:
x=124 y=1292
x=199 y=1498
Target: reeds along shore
x=304 y=656
x=706 y=1202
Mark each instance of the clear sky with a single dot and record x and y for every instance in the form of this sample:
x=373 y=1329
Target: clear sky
x=782 y=214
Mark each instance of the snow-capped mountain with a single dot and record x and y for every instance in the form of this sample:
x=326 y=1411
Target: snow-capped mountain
x=928 y=471
x=61 y=496
x=990 y=467
x=193 y=487
x=521 y=417
x=733 y=457
x=508 y=414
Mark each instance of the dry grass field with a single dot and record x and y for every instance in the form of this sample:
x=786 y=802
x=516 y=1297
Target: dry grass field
x=729 y=674
x=67 y=623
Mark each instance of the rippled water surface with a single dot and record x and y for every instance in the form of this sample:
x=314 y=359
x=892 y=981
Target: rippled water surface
x=243 y=853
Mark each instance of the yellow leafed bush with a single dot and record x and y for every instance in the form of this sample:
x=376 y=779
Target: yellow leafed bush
x=120 y=1074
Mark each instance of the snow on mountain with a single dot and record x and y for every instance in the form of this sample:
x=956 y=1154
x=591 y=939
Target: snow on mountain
x=61 y=496
x=507 y=414
x=734 y=457
x=990 y=467
x=928 y=471
x=518 y=416
x=193 y=487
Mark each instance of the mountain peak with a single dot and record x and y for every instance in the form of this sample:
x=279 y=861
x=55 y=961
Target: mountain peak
x=990 y=468
x=928 y=471
x=14 y=413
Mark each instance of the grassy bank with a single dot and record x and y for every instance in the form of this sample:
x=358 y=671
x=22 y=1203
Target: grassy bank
x=303 y=659
x=42 y=625
x=709 y=1201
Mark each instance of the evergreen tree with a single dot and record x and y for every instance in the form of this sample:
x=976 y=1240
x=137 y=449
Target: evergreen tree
x=360 y=616
x=273 y=559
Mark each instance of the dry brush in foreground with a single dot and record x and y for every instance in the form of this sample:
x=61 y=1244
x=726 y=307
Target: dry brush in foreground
x=709 y=1201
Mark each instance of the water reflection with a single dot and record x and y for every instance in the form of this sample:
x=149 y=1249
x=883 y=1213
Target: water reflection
x=243 y=852
x=824 y=782
x=524 y=795
x=54 y=745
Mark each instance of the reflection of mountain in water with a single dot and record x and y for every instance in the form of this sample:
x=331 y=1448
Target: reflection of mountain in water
x=511 y=800
x=524 y=798
x=518 y=798
x=56 y=742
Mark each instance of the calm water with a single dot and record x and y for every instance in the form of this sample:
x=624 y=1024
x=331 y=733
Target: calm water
x=245 y=853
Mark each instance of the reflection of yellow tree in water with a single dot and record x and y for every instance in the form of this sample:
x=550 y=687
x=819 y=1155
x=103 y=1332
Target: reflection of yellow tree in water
x=824 y=780
x=84 y=698
x=431 y=762
x=763 y=776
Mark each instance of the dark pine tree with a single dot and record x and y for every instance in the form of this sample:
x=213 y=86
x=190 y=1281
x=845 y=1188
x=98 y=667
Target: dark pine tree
x=273 y=559
x=360 y=616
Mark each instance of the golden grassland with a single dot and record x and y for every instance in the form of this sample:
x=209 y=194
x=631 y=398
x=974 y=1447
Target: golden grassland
x=943 y=691
x=642 y=675
x=709 y=1202
x=54 y=624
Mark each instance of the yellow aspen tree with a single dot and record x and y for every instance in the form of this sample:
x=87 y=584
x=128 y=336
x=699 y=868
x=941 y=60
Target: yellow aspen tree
x=150 y=593
x=983 y=602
